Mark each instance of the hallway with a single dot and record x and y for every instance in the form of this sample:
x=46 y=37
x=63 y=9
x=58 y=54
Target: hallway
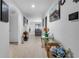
x=51 y=24
x=30 y=49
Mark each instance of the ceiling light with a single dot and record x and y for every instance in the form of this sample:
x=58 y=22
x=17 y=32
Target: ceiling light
x=33 y=6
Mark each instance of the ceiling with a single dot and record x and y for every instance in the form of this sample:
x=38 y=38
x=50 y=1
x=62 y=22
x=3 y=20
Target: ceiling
x=41 y=6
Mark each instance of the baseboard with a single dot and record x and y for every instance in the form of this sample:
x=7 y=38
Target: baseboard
x=15 y=43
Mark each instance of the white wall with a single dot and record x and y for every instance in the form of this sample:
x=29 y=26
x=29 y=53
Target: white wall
x=16 y=24
x=4 y=40
x=13 y=26
x=65 y=31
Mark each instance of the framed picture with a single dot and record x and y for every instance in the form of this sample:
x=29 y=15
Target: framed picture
x=42 y=22
x=74 y=16
x=75 y=1
x=4 y=11
x=0 y=9
x=46 y=21
x=25 y=20
x=55 y=14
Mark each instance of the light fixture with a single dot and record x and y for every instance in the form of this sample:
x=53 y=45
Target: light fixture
x=33 y=6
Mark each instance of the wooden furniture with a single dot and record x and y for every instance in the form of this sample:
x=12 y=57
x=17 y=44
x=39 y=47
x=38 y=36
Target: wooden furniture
x=49 y=42
x=47 y=45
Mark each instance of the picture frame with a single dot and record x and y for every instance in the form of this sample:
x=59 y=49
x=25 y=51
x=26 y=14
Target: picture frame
x=74 y=16
x=4 y=12
x=55 y=14
x=25 y=21
x=75 y=1
x=46 y=21
x=0 y=10
x=42 y=22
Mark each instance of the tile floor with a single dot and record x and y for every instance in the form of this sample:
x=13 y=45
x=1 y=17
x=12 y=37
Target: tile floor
x=30 y=49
